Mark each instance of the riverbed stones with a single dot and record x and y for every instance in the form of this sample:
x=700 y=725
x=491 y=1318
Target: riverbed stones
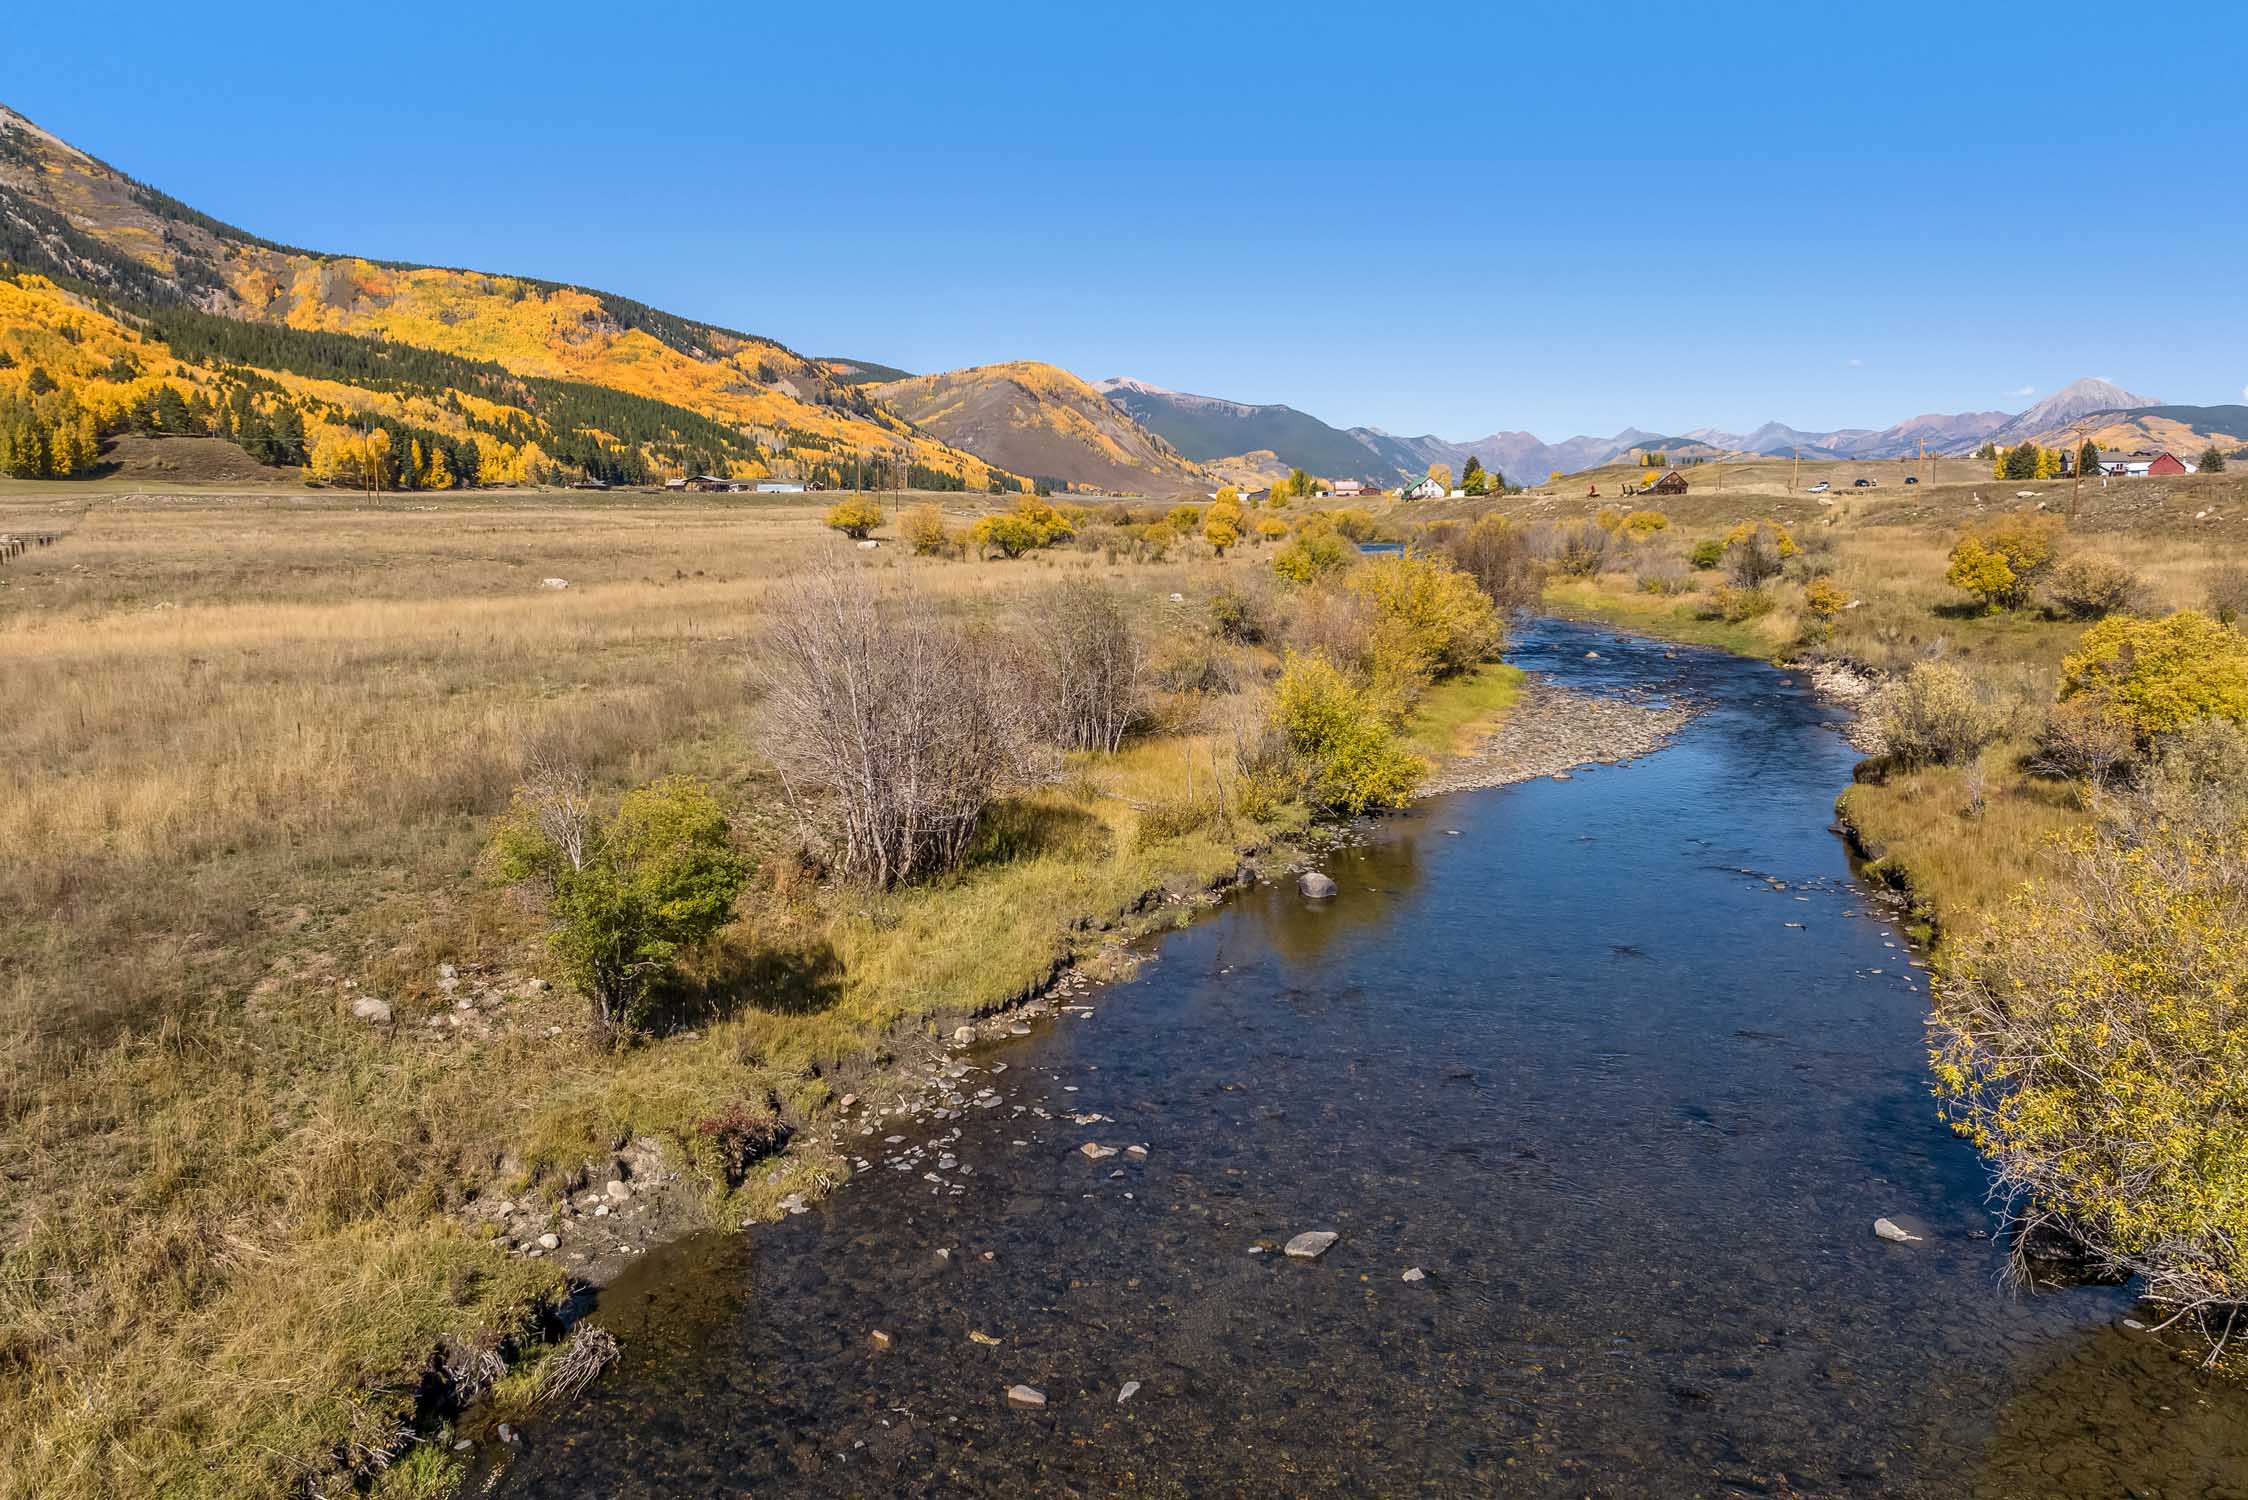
x=616 y=1191
x=550 y=1242
x=1095 y=1151
x=1314 y=886
x=1896 y=1233
x=1415 y=1274
x=1131 y=1389
x=963 y=1035
x=881 y=1340
x=1137 y=1153
x=1026 y=1398
x=1311 y=1244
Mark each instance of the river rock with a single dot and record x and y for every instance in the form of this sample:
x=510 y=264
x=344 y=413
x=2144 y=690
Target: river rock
x=880 y=1340
x=616 y=1191
x=1029 y=1398
x=1415 y=1274
x=368 y=1008
x=1896 y=1233
x=1095 y=1151
x=550 y=1242
x=963 y=1034
x=1312 y=1244
x=1131 y=1389
x=1315 y=886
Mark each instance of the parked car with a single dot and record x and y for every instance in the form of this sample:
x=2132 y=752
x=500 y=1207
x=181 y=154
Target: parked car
x=1912 y=479
x=1821 y=487
x=1862 y=484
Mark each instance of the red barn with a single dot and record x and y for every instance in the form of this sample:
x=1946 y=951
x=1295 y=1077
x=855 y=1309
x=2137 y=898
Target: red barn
x=2166 y=463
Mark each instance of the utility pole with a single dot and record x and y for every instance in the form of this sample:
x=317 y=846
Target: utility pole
x=1795 y=480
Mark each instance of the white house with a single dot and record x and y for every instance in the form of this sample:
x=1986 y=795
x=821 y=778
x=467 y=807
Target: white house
x=1427 y=489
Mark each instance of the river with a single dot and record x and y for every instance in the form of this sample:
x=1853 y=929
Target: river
x=1626 y=1064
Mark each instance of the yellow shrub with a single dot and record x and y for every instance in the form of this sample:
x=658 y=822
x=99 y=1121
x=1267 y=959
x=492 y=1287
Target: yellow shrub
x=1350 y=749
x=2156 y=676
x=855 y=516
x=2000 y=561
x=1430 y=620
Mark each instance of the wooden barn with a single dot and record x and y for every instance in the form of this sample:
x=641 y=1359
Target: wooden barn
x=1672 y=483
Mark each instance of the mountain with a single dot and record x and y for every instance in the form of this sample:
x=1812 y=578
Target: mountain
x=1208 y=429
x=510 y=357
x=2069 y=404
x=1037 y=419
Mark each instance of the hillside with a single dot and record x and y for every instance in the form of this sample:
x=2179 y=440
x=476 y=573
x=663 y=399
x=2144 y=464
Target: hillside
x=1208 y=429
x=712 y=396
x=2071 y=403
x=1036 y=419
x=2187 y=431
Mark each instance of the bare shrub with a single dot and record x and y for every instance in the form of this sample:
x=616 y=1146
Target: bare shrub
x=1934 y=715
x=2228 y=592
x=891 y=728
x=1662 y=573
x=2090 y=587
x=2080 y=743
x=1497 y=555
x=1755 y=555
x=1085 y=668
x=1336 y=624
x=1243 y=609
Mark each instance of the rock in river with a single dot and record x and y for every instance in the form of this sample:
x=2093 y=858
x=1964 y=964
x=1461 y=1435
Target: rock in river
x=1890 y=1229
x=1315 y=886
x=1028 y=1397
x=1312 y=1244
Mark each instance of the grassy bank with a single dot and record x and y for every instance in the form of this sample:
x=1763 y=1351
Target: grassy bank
x=257 y=750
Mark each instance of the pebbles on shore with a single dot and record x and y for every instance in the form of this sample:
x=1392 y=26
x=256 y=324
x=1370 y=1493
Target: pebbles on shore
x=1553 y=729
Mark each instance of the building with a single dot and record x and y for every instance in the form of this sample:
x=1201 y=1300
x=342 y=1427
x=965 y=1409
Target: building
x=1672 y=483
x=779 y=487
x=2143 y=463
x=1350 y=489
x=1427 y=489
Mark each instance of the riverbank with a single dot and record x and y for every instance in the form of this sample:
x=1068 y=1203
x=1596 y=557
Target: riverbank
x=1506 y=1067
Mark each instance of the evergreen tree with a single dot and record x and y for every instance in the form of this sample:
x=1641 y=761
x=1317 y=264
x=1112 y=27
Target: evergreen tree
x=2212 y=462
x=2088 y=458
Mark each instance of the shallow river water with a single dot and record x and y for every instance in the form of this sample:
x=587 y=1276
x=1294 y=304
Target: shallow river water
x=1626 y=1064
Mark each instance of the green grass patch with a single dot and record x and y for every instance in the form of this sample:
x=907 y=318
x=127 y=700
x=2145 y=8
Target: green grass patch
x=1453 y=716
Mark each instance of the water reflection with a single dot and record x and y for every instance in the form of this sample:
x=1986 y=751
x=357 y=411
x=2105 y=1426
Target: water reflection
x=1622 y=1067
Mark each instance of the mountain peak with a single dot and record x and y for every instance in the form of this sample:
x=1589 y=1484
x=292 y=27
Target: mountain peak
x=2077 y=399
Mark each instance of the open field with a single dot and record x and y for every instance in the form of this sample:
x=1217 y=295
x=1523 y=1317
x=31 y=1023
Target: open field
x=255 y=750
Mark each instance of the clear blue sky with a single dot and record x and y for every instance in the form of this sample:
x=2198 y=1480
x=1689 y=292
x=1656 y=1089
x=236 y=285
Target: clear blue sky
x=1562 y=217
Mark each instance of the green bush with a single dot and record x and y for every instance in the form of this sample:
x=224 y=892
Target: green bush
x=625 y=894
x=2156 y=676
x=1707 y=553
x=1353 y=758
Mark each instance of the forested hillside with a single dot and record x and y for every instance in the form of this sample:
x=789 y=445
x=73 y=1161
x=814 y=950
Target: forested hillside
x=577 y=383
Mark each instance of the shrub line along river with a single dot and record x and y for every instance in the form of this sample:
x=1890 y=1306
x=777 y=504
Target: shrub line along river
x=1625 y=1065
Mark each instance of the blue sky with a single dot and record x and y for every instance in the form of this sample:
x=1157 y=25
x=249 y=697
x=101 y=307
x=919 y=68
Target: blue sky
x=1554 y=217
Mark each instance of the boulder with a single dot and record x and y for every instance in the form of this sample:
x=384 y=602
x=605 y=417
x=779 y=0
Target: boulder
x=963 y=1035
x=550 y=1242
x=617 y=1192
x=1311 y=1244
x=368 y=1008
x=1315 y=886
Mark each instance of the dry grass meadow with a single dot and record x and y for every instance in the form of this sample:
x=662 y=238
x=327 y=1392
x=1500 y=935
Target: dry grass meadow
x=253 y=752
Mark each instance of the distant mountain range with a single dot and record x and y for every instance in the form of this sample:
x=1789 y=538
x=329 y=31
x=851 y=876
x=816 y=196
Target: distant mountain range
x=1226 y=435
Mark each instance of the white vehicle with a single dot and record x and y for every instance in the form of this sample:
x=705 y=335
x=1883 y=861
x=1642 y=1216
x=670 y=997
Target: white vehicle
x=1821 y=487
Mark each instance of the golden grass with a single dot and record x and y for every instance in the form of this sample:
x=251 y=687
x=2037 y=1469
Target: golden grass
x=1454 y=717
x=254 y=749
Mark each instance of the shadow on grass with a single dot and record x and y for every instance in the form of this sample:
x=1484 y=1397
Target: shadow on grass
x=1016 y=829
x=791 y=978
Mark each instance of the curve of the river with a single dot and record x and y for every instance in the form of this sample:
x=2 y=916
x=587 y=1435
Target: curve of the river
x=1626 y=1064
